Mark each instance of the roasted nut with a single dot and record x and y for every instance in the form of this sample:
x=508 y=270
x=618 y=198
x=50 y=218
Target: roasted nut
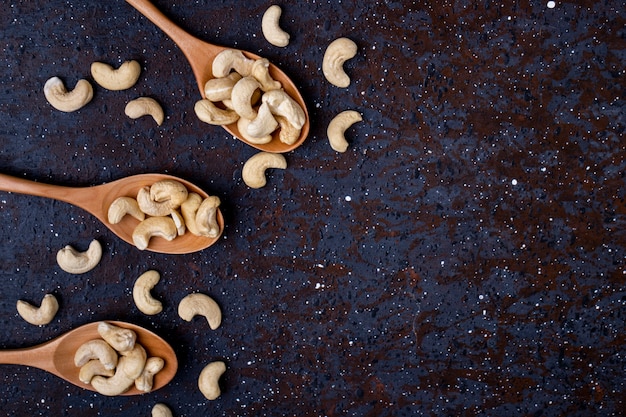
x=118 y=338
x=263 y=124
x=208 y=381
x=288 y=133
x=206 y=217
x=122 y=206
x=159 y=226
x=145 y=106
x=121 y=78
x=141 y=293
x=118 y=384
x=145 y=381
x=253 y=173
x=75 y=262
x=219 y=89
x=161 y=410
x=189 y=209
x=92 y=368
x=41 y=315
x=242 y=97
x=67 y=101
x=281 y=104
x=231 y=59
x=271 y=29
x=338 y=52
x=96 y=349
x=200 y=304
x=337 y=127
x=209 y=113
x=134 y=361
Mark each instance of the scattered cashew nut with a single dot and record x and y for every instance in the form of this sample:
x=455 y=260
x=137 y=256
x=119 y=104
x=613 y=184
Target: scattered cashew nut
x=145 y=106
x=119 y=338
x=253 y=173
x=67 y=101
x=41 y=315
x=96 y=349
x=200 y=304
x=75 y=262
x=271 y=29
x=121 y=78
x=208 y=381
x=161 y=410
x=338 y=52
x=337 y=127
x=158 y=226
x=141 y=293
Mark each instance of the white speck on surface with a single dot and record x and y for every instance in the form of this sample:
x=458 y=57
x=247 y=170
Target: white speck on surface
x=551 y=4
x=348 y=198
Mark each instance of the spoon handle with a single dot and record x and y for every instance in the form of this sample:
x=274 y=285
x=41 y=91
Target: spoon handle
x=36 y=356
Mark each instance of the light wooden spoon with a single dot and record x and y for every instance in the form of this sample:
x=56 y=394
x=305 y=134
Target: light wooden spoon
x=97 y=199
x=57 y=355
x=200 y=55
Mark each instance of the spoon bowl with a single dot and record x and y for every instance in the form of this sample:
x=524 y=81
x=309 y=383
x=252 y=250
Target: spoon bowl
x=200 y=55
x=97 y=199
x=57 y=355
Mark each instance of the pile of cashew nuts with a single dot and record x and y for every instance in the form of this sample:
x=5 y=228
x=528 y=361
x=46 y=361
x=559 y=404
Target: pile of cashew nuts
x=167 y=209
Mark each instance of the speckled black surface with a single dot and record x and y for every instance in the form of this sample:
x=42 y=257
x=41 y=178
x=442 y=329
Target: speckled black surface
x=464 y=257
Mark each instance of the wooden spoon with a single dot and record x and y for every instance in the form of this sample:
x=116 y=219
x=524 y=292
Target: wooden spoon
x=200 y=55
x=57 y=355
x=96 y=200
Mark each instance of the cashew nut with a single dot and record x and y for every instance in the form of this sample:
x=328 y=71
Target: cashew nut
x=92 y=368
x=121 y=78
x=118 y=384
x=122 y=206
x=145 y=381
x=337 y=127
x=145 y=106
x=96 y=349
x=288 y=133
x=208 y=381
x=261 y=72
x=206 y=217
x=179 y=221
x=242 y=126
x=338 y=52
x=141 y=293
x=281 y=104
x=209 y=113
x=241 y=97
x=41 y=315
x=134 y=361
x=119 y=338
x=219 y=89
x=161 y=410
x=162 y=197
x=200 y=304
x=270 y=28
x=67 y=101
x=75 y=262
x=231 y=59
x=160 y=226
x=253 y=173
x=263 y=124
x=189 y=209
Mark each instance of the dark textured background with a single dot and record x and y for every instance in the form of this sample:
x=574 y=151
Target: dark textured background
x=465 y=256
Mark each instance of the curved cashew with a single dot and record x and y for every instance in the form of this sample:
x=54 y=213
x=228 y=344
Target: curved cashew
x=119 y=338
x=96 y=349
x=337 y=127
x=253 y=173
x=208 y=381
x=39 y=316
x=189 y=209
x=338 y=52
x=144 y=381
x=122 y=206
x=200 y=304
x=242 y=126
x=145 y=106
x=92 y=368
x=263 y=124
x=67 y=101
x=231 y=59
x=179 y=221
x=169 y=190
x=219 y=89
x=74 y=262
x=209 y=113
x=118 y=384
x=261 y=72
x=281 y=104
x=270 y=28
x=161 y=410
x=206 y=217
x=121 y=78
x=141 y=293
x=134 y=361
x=160 y=226
x=241 y=97
x=288 y=133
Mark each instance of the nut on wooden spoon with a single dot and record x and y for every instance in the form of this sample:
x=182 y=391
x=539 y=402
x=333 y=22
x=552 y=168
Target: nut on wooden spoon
x=57 y=355
x=97 y=199
x=200 y=55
